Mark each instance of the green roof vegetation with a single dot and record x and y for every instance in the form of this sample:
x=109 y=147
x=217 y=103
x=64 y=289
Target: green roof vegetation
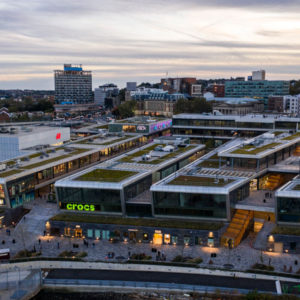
x=252 y=150
x=51 y=160
x=292 y=137
x=130 y=158
x=211 y=162
x=296 y=187
x=106 y=175
x=158 y=223
x=10 y=173
x=276 y=133
x=200 y=181
x=286 y=230
x=102 y=127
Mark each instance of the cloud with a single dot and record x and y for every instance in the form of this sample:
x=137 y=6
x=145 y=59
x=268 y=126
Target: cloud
x=143 y=39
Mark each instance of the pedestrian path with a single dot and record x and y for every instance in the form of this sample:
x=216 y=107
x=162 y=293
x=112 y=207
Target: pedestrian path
x=261 y=240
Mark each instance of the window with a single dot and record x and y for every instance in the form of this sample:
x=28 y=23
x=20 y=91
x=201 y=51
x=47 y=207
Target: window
x=90 y=233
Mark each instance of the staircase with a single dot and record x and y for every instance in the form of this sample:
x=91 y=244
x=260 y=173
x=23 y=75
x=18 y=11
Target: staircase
x=274 y=181
x=297 y=151
x=237 y=227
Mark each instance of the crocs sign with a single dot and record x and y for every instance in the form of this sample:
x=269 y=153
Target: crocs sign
x=85 y=207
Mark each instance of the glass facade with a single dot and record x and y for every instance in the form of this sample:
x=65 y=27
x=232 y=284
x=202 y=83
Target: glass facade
x=260 y=89
x=288 y=209
x=133 y=190
x=84 y=199
x=192 y=205
x=2 y=195
x=21 y=190
x=239 y=194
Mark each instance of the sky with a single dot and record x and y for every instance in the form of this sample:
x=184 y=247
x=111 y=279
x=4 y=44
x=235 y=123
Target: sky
x=143 y=40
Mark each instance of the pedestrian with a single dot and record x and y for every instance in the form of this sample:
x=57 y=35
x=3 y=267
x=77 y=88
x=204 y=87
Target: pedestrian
x=39 y=241
x=58 y=245
x=44 y=232
x=24 y=218
x=93 y=245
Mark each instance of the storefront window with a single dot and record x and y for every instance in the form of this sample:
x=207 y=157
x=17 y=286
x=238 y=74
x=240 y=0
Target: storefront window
x=97 y=234
x=105 y=234
x=186 y=240
x=167 y=238
x=90 y=233
x=174 y=239
x=184 y=204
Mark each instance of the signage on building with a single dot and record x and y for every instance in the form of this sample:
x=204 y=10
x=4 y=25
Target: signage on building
x=58 y=136
x=141 y=127
x=80 y=207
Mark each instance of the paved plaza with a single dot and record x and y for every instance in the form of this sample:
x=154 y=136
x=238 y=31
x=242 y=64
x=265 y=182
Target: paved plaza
x=29 y=234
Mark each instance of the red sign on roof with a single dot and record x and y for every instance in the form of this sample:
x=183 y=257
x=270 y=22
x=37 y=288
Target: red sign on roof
x=58 y=136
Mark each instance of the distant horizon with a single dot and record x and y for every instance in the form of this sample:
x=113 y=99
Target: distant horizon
x=142 y=81
x=130 y=40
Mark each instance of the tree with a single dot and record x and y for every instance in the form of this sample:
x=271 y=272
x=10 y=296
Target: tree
x=194 y=105
x=122 y=95
x=295 y=87
x=126 y=109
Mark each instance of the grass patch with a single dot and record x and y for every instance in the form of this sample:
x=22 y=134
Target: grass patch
x=296 y=187
x=247 y=149
x=10 y=173
x=102 y=127
x=106 y=175
x=199 y=181
x=87 y=218
x=292 y=137
x=276 y=133
x=51 y=160
x=286 y=230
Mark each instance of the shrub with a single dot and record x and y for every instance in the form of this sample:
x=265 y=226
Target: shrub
x=179 y=258
x=27 y=253
x=140 y=256
x=262 y=267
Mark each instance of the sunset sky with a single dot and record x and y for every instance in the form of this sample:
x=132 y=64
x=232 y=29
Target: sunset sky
x=135 y=40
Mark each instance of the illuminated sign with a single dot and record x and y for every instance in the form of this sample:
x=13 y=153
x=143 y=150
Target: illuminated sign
x=58 y=136
x=85 y=207
x=141 y=127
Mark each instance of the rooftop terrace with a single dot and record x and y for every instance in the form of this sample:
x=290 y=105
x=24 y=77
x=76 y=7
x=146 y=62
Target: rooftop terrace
x=103 y=175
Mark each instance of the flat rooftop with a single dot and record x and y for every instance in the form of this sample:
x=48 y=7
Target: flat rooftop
x=18 y=131
x=262 y=118
x=262 y=145
x=141 y=120
x=36 y=160
x=131 y=165
x=195 y=178
x=106 y=175
x=290 y=189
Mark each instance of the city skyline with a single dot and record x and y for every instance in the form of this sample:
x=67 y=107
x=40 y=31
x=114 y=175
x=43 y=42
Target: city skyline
x=123 y=41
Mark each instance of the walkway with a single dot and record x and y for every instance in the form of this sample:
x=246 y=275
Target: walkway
x=262 y=237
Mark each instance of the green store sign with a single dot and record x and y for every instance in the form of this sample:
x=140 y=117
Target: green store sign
x=84 y=207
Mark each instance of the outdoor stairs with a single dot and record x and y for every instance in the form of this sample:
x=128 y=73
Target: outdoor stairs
x=297 y=151
x=237 y=228
x=274 y=181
